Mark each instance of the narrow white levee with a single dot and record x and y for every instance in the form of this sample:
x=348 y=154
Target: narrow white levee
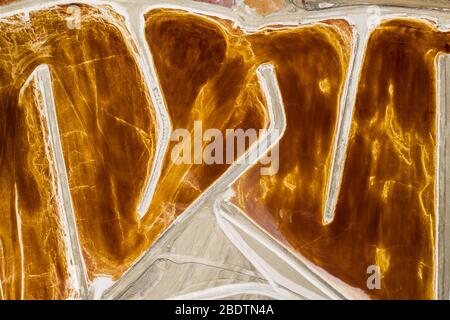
x=277 y=127
x=442 y=258
x=360 y=38
x=136 y=25
x=75 y=261
x=19 y=235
